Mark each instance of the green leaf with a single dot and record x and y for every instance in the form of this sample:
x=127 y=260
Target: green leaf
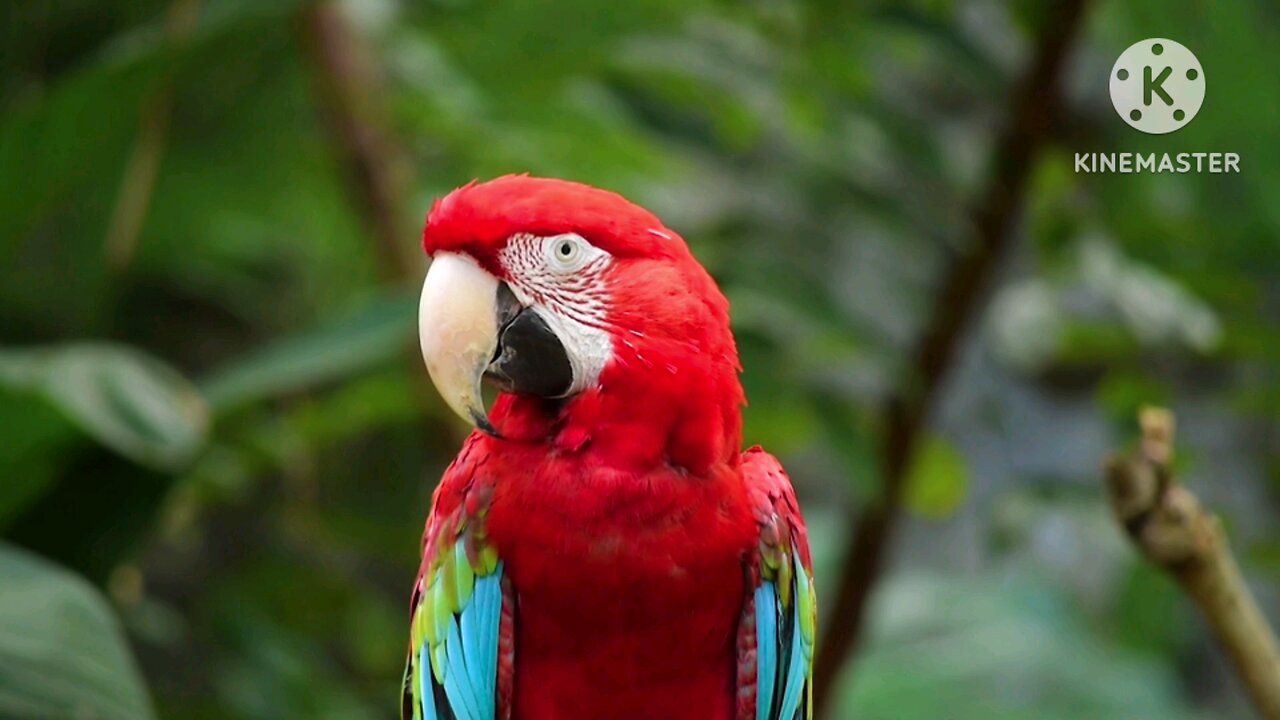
x=372 y=334
x=62 y=654
x=938 y=479
x=127 y=400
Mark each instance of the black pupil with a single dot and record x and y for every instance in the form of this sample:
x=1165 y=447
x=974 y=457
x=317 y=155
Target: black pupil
x=566 y=249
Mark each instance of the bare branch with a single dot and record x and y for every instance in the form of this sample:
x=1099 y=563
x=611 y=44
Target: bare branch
x=348 y=83
x=958 y=301
x=1175 y=533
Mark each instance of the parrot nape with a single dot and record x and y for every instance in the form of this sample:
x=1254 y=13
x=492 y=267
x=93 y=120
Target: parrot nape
x=601 y=547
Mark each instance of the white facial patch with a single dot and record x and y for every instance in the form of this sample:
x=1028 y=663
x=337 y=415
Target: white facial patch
x=561 y=277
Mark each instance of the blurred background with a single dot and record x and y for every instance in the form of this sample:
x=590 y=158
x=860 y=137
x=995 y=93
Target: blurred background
x=218 y=444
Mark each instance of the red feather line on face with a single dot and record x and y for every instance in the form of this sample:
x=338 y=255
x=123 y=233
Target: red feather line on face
x=479 y=218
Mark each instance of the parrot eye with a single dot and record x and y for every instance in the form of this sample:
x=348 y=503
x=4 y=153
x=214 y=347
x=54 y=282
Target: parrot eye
x=568 y=253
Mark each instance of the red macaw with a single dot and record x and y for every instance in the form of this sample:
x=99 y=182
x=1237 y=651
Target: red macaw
x=600 y=548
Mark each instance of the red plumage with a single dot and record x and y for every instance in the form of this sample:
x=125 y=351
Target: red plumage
x=629 y=523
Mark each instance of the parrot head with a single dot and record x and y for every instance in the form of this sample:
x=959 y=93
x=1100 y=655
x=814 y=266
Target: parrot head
x=592 y=319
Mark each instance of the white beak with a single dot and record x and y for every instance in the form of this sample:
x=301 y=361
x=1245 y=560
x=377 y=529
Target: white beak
x=458 y=328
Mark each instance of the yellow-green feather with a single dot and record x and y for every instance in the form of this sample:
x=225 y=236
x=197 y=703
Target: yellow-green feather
x=424 y=626
x=441 y=612
x=448 y=582
x=439 y=656
x=784 y=580
x=488 y=560
x=464 y=577
x=415 y=679
x=805 y=607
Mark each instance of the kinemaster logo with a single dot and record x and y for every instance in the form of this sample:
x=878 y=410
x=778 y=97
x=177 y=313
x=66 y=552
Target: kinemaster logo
x=1157 y=87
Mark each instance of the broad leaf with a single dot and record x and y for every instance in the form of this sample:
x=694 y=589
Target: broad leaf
x=128 y=401
x=62 y=653
x=372 y=334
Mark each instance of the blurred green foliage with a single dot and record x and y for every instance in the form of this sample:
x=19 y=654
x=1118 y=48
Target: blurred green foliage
x=62 y=653
x=226 y=429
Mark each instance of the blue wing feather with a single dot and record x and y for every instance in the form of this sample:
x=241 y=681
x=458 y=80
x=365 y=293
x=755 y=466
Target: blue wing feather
x=456 y=683
x=471 y=654
x=766 y=647
x=470 y=658
x=489 y=597
x=424 y=686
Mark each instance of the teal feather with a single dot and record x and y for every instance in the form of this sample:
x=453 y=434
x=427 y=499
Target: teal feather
x=425 y=694
x=456 y=682
x=766 y=601
x=472 y=638
x=489 y=600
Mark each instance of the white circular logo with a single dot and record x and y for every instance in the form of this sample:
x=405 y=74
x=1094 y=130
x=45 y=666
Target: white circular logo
x=1157 y=85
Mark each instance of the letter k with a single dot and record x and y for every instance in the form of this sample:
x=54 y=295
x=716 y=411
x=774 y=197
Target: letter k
x=1156 y=86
